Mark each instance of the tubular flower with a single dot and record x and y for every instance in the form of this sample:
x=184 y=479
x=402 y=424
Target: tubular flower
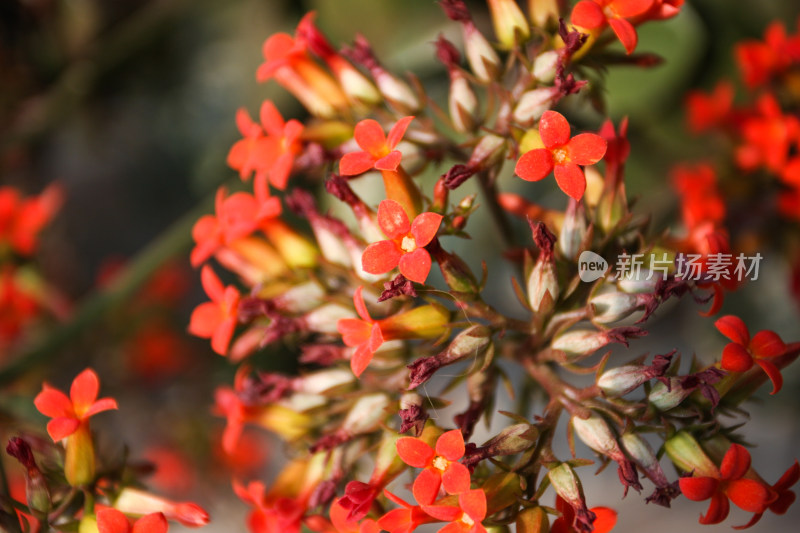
x=377 y=149
x=604 y=518
x=268 y=149
x=561 y=155
x=596 y=14
x=785 y=497
x=728 y=484
x=216 y=319
x=342 y=524
x=739 y=355
x=405 y=247
x=113 y=521
x=441 y=466
x=363 y=334
x=69 y=413
x=466 y=518
x=405 y=519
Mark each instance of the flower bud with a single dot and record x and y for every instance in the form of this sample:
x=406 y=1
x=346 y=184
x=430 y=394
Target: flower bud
x=567 y=484
x=624 y=379
x=469 y=343
x=324 y=318
x=597 y=435
x=512 y=440
x=462 y=103
x=423 y=322
x=544 y=66
x=573 y=230
x=642 y=454
x=533 y=520
x=138 y=502
x=510 y=25
x=482 y=58
x=687 y=455
x=665 y=397
x=366 y=415
x=580 y=343
x=324 y=381
x=412 y=413
x=612 y=307
x=543 y=288
x=38 y=496
x=543 y=12
x=532 y=105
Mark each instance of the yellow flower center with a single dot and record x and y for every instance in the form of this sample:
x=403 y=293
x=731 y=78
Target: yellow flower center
x=466 y=520
x=409 y=244
x=560 y=156
x=440 y=463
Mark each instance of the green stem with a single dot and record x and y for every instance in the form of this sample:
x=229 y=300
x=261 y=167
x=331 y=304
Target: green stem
x=176 y=240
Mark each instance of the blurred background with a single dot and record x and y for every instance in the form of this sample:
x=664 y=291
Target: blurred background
x=130 y=105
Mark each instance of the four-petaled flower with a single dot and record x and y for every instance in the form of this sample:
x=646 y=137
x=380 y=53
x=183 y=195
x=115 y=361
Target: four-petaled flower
x=405 y=247
x=216 y=319
x=743 y=352
x=377 y=149
x=113 y=521
x=728 y=483
x=561 y=155
x=363 y=334
x=268 y=149
x=596 y=14
x=441 y=466
x=466 y=518
x=69 y=413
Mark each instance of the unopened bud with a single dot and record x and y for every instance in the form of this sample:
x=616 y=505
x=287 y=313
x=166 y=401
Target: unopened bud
x=481 y=56
x=412 y=413
x=138 y=502
x=595 y=433
x=665 y=397
x=366 y=415
x=490 y=150
x=324 y=381
x=510 y=25
x=685 y=452
x=512 y=440
x=423 y=322
x=612 y=307
x=643 y=455
x=324 y=318
x=543 y=12
x=544 y=66
x=573 y=230
x=469 y=343
x=567 y=484
x=624 y=379
x=577 y=344
x=533 y=520
x=542 y=286
x=38 y=496
x=532 y=105
x=462 y=103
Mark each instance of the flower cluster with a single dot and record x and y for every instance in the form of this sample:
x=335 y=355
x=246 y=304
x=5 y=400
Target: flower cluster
x=372 y=302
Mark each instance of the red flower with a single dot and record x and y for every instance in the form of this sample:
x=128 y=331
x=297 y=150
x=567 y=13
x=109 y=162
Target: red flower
x=268 y=149
x=216 y=319
x=784 y=497
x=441 y=466
x=341 y=523
x=760 y=61
x=18 y=308
x=68 y=414
x=700 y=197
x=405 y=247
x=364 y=335
x=767 y=137
x=466 y=518
x=604 y=521
x=405 y=519
x=728 y=483
x=378 y=150
x=708 y=111
x=113 y=521
x=21 y=220
x=561 y=155
x=739 y=355
x=596 y=14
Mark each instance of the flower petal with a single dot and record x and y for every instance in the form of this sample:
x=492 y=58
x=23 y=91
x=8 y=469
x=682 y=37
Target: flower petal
x=397 y=132
x=53 y=403
x=375 y=338
x=717 y=510
x=393 y=219
x=354 y=332
x=281 y=170
x=450 y=445
x=245 y=124
x=735 y=463
x=774 y=374
x=734 y=328
x=736 y=358
x=534 y=165
x=416 y=265
x=61 y=427
x=605 y=519
x=380 y=257
x=112 y=521
x=370 y=137
x=698 y=489
x=426 y=486
x=103 y=404
x=553 y=129
x=625 y=32
x=355 y=163
x=205 y=319
x=211 y=284
x=271 y=119
x=358 y=302
x=767 y=343
x=414 y=452
x=390 y=161
x=221 y=337
x=152 y=523
x=630 y=8
x=456 y=479
x=587 y=148
x=361 y=359
x=445 y=513
x=424 y=227
x=571 y=179
x=749 y=495
x=473 y=502
x=83 y=391
x=588 y=14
